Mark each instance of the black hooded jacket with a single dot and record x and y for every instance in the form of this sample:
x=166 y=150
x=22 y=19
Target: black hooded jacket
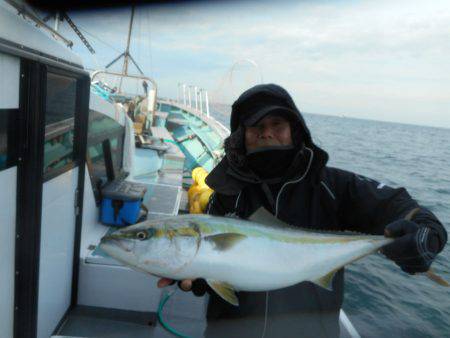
x=311 y=195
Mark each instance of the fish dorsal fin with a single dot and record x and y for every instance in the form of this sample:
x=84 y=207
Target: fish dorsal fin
x=225 y=241
x=262 y=216
x=326 y=281
x=224 y=290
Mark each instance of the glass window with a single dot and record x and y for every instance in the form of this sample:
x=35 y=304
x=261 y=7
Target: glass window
x=102 y=127
x=8 y=144
x=59 y=122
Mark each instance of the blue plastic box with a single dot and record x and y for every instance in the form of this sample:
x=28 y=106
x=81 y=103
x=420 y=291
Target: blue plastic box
x=121 y=203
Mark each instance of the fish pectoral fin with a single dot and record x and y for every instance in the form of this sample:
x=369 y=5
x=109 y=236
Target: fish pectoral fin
x=224 y=242
x=224 y=290
x=263 y=216
x=326 y=281
x=436 y=278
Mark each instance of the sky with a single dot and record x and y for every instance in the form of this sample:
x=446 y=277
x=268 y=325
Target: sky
x=380 y=60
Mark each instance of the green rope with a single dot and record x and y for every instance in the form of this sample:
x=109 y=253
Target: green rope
x=162 y=303
x=169 y=141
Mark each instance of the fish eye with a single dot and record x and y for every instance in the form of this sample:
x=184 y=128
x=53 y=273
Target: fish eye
x=141 y=235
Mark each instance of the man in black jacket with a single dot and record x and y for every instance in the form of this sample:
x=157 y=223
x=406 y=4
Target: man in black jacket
x=271 y=161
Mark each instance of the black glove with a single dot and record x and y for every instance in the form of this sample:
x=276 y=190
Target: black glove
x=199 y=287
x=414 y=248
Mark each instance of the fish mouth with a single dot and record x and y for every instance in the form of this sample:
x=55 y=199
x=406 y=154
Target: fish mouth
x=112 y=241
x=117 y=248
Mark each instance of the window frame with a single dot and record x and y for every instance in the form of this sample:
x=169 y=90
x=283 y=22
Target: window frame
x=30 y=140
x=77 y=156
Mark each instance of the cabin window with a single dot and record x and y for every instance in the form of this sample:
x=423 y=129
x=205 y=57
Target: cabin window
x=8 y=144
x=59 y=122
x=102 y=127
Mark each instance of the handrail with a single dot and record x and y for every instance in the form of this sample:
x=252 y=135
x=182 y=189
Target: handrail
x=207 y=103
x=139 y=77
x=201 y=105
x=348 y=325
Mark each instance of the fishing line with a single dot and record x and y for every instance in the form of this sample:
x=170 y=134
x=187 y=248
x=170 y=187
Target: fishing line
x=99 y=39
x=266 y=314
x=162 y=303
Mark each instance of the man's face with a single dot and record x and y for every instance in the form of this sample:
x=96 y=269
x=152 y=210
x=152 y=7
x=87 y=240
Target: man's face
x=269 y=131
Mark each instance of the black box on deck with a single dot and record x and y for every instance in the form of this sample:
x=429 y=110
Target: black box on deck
x=121 y=202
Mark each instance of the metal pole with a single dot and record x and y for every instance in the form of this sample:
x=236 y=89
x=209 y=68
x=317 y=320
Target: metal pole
x=56 y=21
x=207 y=103
x=26 y=10
x=196 y=97
x=184 y=94
x=190 y=101
x=127 y=51
x=201 y=101
x=178 y=93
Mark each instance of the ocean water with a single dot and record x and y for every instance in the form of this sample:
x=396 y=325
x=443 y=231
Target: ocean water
x=380 y=299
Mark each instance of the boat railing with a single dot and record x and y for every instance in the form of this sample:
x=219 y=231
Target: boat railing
x=347 y=325
x=188 y=93
x=151 y=94
x=224 y=131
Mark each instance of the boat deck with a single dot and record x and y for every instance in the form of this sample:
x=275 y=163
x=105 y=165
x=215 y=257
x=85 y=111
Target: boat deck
x=107 y=323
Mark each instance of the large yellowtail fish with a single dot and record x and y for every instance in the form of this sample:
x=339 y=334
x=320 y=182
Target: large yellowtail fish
x=232 y=254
